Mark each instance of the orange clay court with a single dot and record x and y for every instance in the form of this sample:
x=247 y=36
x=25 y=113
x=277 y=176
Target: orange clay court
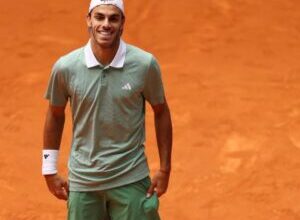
x=232 y=77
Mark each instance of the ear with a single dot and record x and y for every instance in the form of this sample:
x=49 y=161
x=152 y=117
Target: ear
x=89 y=21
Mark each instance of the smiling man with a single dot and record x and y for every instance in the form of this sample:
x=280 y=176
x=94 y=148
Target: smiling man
x=107 y=83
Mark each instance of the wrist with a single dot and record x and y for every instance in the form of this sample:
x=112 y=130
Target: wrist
x=167 y=171
x=49 y=176
x=165 y=167
x=49 y=162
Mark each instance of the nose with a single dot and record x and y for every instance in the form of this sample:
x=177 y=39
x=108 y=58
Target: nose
x=106 y=23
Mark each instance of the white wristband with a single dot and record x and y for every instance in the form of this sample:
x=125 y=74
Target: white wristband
x=49 y=162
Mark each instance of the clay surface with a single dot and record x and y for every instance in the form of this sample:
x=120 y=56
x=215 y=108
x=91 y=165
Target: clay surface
x=232 y=75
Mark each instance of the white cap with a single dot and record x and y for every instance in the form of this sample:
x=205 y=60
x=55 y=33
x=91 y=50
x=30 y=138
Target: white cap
x=118 y=3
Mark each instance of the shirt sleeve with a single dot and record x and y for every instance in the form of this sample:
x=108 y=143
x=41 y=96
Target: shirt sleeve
x=57 y=92
x=153 y=88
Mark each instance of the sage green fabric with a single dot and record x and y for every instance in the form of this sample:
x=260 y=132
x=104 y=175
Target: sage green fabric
x=127 y=202
x=108 y=113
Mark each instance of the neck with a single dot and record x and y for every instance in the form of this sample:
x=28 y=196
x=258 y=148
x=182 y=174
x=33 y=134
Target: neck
x=104 y=55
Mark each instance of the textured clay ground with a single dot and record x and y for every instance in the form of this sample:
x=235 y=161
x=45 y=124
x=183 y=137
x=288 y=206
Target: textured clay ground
x=232 y=76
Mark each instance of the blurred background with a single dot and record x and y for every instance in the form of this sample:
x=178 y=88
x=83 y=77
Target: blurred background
x=231 y=72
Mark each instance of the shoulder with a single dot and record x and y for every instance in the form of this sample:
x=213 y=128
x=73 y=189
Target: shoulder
x=70 y=60
x=138 y=55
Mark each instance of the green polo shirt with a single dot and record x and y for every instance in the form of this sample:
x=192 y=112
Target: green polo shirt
x=108 y=113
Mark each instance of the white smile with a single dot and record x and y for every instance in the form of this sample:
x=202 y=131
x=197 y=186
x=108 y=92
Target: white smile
x=105 y=33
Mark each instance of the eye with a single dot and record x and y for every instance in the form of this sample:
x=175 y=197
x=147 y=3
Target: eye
x=99 y=17
x=114 y=18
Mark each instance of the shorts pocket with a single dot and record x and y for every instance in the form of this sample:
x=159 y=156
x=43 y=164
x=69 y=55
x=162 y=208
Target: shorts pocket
x=151 y=206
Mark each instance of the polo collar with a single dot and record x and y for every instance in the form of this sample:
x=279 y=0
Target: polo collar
x=117 y=62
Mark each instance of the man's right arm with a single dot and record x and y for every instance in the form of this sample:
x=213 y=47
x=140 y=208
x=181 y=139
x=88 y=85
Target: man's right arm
x=53 y=129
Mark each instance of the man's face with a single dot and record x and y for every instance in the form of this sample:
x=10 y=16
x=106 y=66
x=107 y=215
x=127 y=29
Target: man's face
x=106 y=25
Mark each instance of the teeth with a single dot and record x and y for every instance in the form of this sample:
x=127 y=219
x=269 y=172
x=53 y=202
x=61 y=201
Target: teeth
x=105 y=33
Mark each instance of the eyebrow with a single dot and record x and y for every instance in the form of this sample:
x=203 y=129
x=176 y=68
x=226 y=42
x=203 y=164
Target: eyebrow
x=110 y=15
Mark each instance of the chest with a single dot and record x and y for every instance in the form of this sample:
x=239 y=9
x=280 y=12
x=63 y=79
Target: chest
x=106 y=85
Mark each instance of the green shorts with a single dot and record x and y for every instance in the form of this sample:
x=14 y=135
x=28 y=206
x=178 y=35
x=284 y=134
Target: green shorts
x=127 y=202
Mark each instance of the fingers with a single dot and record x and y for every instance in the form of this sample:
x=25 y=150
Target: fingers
x=66 y=187
x=61 y=194
x=158 y=188
x=58 y=187
x=159 y=184
x=62 y=191
x=151 y=190
x=160 y=191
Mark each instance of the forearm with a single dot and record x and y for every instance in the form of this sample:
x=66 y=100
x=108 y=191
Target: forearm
x=53 y=130
x=163 y=127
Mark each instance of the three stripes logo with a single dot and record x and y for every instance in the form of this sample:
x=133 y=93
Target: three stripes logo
x=127 y=87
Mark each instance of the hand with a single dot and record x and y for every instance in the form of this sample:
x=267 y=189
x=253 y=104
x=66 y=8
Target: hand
x=160 y=182
x=57 y=186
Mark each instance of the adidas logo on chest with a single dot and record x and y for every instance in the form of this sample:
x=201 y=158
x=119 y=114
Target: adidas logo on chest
x=126 y=87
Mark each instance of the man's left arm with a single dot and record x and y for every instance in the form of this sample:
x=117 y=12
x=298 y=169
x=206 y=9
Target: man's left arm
x=163 y=129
